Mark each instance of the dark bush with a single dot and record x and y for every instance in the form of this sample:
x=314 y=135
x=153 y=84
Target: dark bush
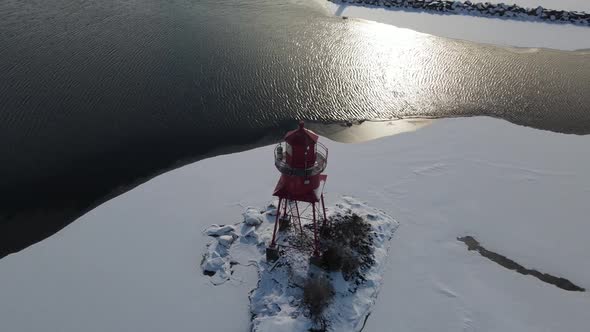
x=348 y=239
x=332 y=258
x=350 y=266
x=317 y=294
x=339 y=258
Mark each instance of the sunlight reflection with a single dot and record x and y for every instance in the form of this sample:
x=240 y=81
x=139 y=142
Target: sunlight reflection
x=368 y=130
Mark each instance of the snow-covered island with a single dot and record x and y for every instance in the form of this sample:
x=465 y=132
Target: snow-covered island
x=292 y=294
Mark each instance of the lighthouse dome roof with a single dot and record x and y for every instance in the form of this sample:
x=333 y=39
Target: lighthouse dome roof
x=301 y=136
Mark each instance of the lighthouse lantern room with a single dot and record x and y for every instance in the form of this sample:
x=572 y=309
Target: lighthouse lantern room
x=300 y=159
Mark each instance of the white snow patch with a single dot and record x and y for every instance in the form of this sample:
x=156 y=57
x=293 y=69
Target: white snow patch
x=523 y=193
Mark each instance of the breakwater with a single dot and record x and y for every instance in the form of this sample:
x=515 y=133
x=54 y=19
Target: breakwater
x=485 y=9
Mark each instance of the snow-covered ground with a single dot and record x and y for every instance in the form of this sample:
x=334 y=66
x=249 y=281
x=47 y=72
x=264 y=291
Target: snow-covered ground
x=132 y=264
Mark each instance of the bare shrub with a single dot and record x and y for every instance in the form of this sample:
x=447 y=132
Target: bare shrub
x=317 y=294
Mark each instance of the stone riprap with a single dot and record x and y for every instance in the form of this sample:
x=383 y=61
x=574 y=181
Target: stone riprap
x=485 y=9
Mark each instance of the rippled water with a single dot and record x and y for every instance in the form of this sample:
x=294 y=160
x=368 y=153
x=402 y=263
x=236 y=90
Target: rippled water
x=97 y=95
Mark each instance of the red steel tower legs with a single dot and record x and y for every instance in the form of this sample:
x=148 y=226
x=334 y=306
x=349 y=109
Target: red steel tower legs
x=301 y=159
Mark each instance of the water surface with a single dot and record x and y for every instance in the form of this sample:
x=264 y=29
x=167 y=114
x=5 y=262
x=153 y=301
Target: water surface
x=97 y=96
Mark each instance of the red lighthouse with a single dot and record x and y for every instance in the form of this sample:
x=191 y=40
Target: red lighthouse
x=301 y=159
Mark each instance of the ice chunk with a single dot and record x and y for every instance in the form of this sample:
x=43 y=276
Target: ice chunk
x=216 y=230
x=214 y=264
x=252 y=217
x=249 y=232
x=226 y=240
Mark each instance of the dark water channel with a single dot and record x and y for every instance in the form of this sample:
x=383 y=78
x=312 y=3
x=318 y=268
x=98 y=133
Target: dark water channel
x=97 y=96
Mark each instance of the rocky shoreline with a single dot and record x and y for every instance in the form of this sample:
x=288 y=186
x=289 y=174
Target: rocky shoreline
x=485 y=9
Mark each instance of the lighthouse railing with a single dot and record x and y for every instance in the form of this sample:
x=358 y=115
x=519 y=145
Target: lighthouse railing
x=318 y=166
